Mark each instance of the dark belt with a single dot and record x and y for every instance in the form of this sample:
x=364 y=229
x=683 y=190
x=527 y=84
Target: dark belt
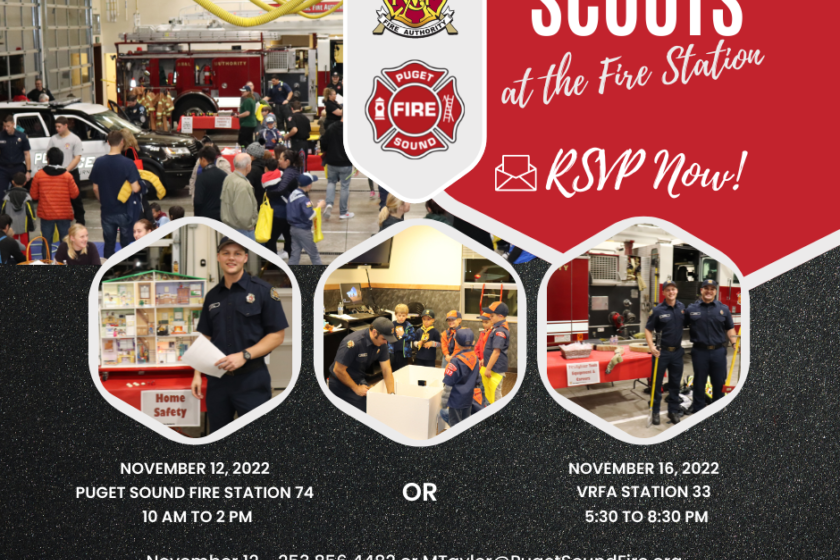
x=707 y=347
x=671 y=348
x=249 y=367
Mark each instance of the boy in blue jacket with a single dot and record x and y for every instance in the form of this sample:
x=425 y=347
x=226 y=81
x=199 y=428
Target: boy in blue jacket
x=459 y=380
x=426 y=340
x=300 y=215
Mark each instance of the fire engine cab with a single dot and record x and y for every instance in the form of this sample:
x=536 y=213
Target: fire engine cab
x=611 y=291
x=204 y=69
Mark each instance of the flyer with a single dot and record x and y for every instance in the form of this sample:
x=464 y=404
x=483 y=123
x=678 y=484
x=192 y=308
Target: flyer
x=546 y=280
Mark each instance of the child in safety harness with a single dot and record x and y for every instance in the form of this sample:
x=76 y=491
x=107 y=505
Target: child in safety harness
x=459 y=380
x=426 y=340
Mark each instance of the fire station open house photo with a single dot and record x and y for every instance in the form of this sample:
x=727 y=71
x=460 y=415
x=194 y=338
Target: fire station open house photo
x=177 y=90
x=643 y=310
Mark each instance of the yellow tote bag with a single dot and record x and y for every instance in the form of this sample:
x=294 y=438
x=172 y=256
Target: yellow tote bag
x=265 y=221
x=317 y=234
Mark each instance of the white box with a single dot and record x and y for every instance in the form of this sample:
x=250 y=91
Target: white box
x=414 y=409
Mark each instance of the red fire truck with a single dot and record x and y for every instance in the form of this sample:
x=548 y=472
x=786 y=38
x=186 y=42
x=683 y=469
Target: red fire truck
x=600 y=295
x=203 y=75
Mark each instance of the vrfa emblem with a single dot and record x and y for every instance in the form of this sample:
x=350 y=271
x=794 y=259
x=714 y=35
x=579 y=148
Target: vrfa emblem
x=415 y=18
x=415 y=110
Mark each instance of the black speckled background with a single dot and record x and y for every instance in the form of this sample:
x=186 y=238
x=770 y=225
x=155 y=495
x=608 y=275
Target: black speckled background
x=503 y=487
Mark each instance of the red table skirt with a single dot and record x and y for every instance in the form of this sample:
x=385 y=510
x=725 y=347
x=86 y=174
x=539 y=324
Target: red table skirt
x=313 y=163
x=636 y=365
x=176 y=379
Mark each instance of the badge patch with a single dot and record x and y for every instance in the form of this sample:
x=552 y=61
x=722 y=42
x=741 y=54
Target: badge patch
x=215 y=305
x=721 y=311
x=350 y=344
x=415 y=110
x=450 y=369
x=501 y=334
x=250 y=298
x=275 y=294
x=415 y=18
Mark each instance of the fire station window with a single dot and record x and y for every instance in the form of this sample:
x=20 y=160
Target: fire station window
x=496 y=282
x=709 y=269
x=472 y=295
x=84 y=130
x=32 y=126
x=484 y=270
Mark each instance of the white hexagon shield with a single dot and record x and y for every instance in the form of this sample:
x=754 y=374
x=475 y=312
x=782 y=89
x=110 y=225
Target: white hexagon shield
x=416 y=103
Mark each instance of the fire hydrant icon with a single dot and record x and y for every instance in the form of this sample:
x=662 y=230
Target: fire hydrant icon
x=379 y=110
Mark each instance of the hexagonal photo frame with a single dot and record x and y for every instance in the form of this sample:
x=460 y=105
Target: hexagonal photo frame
x=644 y=282
x=146 y=308
x=412 y=270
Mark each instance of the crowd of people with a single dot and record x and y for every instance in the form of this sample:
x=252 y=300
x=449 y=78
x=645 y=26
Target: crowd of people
x=272 y=169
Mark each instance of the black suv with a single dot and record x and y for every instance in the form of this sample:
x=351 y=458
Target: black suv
x=166 y=154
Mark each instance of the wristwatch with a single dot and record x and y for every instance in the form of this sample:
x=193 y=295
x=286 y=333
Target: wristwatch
x=246 y=355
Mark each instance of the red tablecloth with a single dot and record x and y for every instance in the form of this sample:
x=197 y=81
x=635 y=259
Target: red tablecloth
x=209 y=123
x=117 y=384
x=636 y=365
x=313 y=163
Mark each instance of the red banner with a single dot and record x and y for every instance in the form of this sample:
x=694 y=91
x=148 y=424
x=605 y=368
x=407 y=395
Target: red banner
x=717 y=116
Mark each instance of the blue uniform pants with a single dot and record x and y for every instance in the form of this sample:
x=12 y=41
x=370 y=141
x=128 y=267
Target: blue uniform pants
x=673 y=363
x=239 y=394
x=424 y=363
x=346 y=394
x=708 y=364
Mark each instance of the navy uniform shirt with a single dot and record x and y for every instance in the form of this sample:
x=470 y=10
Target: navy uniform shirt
x=461 y=374
x=137 y=115
x=709 y=322
x=668 y=320
x=498 y=339
x=237 y=318
x=299 y=212
x=358 y=352
x=279 y=93
x=12 y=147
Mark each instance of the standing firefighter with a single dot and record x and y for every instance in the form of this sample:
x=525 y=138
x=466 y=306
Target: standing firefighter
x=710 y=323
x=667 y=318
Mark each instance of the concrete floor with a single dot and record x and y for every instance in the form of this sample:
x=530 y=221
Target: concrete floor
x=627 y=408
x=339 y=235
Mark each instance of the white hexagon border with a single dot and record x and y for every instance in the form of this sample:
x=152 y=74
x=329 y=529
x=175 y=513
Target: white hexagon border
x=364 y=418
x=94 y=332
x=688 y=421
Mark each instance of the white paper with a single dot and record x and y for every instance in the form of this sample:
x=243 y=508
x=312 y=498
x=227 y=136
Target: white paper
x=223 y=122
x=186 y=125
x=202 y=355
x=584 y=373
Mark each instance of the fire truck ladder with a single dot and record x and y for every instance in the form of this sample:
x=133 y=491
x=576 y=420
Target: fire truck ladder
x=447 y=112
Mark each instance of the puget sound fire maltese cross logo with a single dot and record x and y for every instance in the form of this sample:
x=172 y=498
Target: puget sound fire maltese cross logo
x=415 y=110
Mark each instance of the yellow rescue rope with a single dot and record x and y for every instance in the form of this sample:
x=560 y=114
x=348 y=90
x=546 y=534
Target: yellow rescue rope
x=267 y=8
x=288 y=7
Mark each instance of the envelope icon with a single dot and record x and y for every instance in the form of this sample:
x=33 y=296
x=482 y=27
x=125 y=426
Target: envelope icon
x=516 y=174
